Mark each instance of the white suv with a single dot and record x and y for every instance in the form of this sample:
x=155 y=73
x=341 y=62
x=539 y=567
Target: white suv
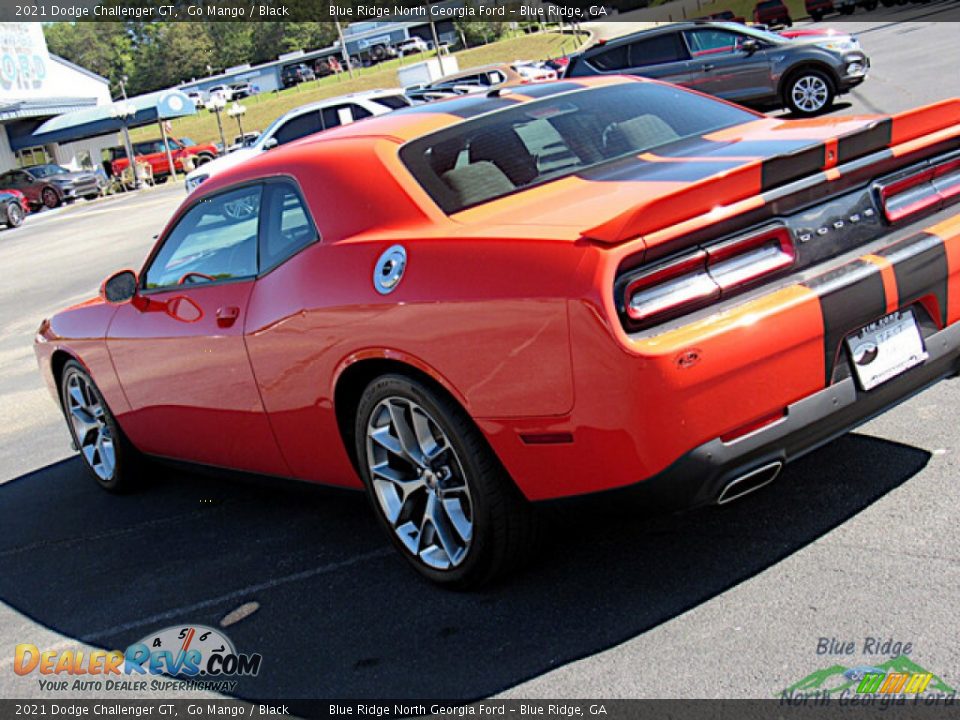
x=412 y=45
x=306 y=120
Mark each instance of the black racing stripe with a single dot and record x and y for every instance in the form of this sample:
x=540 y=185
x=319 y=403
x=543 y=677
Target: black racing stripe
x=875 y=136
x=465 y=107
x=850 y=297
x=634 y=170
x=920 y=266
x=701 y=147
x=782 y=169
x=547 y=89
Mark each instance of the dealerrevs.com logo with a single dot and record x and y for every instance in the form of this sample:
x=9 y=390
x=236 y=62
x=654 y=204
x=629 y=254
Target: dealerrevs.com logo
x=195 y=656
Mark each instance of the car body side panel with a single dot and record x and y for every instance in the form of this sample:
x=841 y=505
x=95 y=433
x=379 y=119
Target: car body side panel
x=470 y=314
x=188 y=380
x=79 y=332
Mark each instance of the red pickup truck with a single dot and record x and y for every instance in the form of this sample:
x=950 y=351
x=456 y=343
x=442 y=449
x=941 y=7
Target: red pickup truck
x=153 y=152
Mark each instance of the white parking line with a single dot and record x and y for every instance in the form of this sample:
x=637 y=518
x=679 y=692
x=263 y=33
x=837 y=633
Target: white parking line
x=236 y=594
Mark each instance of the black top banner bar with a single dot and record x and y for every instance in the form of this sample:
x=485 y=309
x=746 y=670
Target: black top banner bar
x=349 y=11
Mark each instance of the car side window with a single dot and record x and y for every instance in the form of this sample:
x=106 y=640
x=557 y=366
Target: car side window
x=286 y=228
x=298 y=127
x=657 y=50
x=215 y=240
x=711 y=41
x=359 y=112
x=337 y=115
x=616 y=58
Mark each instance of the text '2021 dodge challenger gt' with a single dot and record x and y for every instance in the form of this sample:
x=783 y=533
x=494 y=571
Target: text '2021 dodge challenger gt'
x=586 y=286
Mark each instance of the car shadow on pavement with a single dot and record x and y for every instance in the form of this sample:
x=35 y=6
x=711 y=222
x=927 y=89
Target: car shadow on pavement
x=341 y=616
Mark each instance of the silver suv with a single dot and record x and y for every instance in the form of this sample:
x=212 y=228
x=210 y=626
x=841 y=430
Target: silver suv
x=734 y=62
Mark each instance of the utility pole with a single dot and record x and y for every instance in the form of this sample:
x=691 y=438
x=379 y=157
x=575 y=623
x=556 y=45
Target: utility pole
x=126 y=137
x=343 y=50
x=436 y=40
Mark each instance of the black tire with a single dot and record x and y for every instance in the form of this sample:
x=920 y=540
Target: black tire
x=870 y=6
x=129 y=464
x=50 y=198
x=91 y=196
x=817 y=16
x=814 y=77
x=203 y=159
x=13 y=215
x=504 y=525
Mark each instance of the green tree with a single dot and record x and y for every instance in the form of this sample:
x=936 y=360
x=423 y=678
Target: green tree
x=232 y=42
x=170 y=53
x=105 y=48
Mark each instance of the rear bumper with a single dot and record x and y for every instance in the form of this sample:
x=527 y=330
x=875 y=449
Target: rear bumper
x=672 y=413
x=699 y=477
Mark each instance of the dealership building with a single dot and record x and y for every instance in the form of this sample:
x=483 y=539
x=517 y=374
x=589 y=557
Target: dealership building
x=36 y=86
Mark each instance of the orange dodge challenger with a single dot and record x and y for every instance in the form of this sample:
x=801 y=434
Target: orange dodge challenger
x=586 y=286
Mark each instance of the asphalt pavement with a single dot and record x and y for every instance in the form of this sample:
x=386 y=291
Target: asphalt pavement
x=856 y=541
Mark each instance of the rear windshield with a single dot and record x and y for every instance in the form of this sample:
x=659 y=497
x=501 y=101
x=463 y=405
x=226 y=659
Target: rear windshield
x=769 y=4
x=535 y=142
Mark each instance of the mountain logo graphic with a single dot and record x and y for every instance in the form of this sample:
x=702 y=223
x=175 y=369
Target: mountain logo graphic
x=897 y=675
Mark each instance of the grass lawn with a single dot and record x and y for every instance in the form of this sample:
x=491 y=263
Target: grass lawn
x=262 y=109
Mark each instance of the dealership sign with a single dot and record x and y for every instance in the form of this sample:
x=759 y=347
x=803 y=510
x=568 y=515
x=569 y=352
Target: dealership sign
x=23 y=59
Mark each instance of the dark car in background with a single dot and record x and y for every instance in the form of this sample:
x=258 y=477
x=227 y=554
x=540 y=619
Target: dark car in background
x=13 y=208
x=734 y=62
x=50 y=185
x=295 y=74
x=726 y=16
x=772 y=13
x=816 y=9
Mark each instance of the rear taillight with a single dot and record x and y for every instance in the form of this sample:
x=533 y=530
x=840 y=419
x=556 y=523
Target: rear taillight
x=671 y=289
x=921 y=190
x=741 y=261
x=704 y=276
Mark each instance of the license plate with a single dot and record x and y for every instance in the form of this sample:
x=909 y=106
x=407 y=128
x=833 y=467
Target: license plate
x=885 y=348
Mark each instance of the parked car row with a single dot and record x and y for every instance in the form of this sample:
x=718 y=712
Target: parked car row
x=774 y=13
x=50 y=185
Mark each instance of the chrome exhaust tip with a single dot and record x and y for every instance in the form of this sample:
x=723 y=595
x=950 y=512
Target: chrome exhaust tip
x=748 y=482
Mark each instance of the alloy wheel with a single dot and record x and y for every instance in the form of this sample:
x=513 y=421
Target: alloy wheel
x=14 y=215
x=91 y=428
x=810 y=93
x=419 y=483
x=49 y=197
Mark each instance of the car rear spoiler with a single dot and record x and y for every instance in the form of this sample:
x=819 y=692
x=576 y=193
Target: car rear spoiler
x=732 y=192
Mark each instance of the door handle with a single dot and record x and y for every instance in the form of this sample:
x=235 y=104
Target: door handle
x=708 y=67
x=227 y=316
